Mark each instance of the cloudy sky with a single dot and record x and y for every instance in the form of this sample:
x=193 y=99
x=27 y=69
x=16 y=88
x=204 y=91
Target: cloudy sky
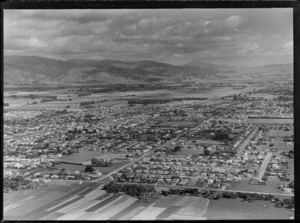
x=237 y=37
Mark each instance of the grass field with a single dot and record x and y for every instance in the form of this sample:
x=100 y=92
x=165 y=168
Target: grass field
x=130 y=212
x=269 y=121
x=149 y=213
x=243 y=185
x=167 y=201
x=54 y=203
x=279 y=133
x=234 y=209
x=193 y=181
x=108 y=156
x=80 y=157
x=168 y=212
x=103 y=170
x=189 y=152
x=196 y=208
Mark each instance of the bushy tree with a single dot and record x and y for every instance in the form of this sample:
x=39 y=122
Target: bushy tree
x=206 y=152
x=89 y=169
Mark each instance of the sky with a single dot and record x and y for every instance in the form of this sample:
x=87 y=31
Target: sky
x=235 y=37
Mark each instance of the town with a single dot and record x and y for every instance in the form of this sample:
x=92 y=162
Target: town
x=239 y=143
x=181 y=113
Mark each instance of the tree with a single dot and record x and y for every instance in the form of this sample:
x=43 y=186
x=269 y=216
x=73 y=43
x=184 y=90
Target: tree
x=217 y=197
x=206 y=152
x=89 y=169
x=176 y=148
x=291 y=184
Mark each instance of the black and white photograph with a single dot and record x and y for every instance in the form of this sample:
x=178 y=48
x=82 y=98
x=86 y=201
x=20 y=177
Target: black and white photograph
x=148 y=114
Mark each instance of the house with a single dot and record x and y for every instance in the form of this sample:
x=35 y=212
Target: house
x=210 y=181
x=54 y=177
x=45 y=176
x=183 y=182
x=70 y=177
x=287 y=190
x=37 y=174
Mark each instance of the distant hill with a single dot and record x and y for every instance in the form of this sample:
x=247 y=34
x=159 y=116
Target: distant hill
x=30 y=69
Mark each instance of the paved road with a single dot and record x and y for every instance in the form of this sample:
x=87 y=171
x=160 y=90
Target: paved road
x=264 y=165
x=190 y=187
x=247 y=140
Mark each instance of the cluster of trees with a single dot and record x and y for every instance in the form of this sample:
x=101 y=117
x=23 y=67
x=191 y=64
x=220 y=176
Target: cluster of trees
x=101 y=162
x=185 y=191
x=291 y=184
x=286 y=203
x=89 y=169
x=84 y=93
x=5 y=104
x=148 y=101
x=16 y=183
x=131 y=190
x=174 y=150
x=222 y=135
x=44 y=100
x=227 y=153
x=250 y=197
x=284 y=98
x=161 y=101
x=288 y=138
x=87 y=103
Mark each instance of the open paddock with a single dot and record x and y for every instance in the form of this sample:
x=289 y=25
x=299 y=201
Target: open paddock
x=103 y=203
x=129 y=212
x=52 y=216
x=184 y=217
x=110 y=156
x=88 y=197
x=115 y=208
x=70 y=166
x=233 y=209
x=168 y=212
x=116 y=165
x=165 y=202
x=243 y=185
x=196 y=207
x=80 y=157
x=279 y=133
x=25 y=209
x=189 y=152
x=77 y=211
x=270 y=121
x=184 y=201
x=192 y=182
x=150 y=213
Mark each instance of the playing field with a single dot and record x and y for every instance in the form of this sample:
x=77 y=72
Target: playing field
x=270 y=121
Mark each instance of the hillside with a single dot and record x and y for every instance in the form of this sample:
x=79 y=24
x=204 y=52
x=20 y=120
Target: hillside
x=29 y=69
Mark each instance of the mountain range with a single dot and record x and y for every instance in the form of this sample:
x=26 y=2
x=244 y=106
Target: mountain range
x=32 y=69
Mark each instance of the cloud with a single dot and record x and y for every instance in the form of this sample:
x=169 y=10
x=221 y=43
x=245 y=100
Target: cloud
x=233 y=21
x=191 y=34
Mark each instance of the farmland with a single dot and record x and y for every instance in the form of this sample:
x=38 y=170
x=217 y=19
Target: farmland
x=229 y=209
x=52 y=202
